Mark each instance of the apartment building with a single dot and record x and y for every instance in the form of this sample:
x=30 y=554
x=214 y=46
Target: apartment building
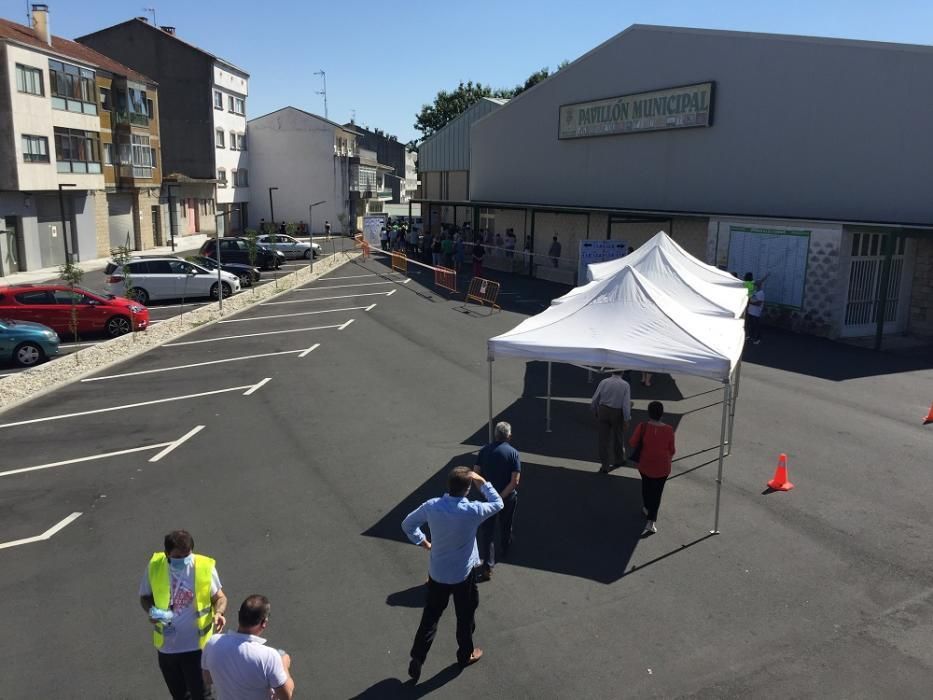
x=63 y=190
x=203 y=123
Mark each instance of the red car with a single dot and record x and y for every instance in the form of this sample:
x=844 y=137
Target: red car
x=50 y=305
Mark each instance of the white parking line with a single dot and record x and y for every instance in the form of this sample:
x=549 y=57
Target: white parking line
x=249 y=387
x=345 y=296
x=170 y=445
x=307 y=351
x=340 y=328
x=191 y=433
x=349 y=277
x=45 y=535
x=190 y=366
x=257 y=387
x=348 y=286
x=178 y=306
x=247 y=335
x=300 y=313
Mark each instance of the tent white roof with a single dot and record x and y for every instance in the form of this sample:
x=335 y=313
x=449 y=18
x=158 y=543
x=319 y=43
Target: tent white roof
x=626 y=321
x=699 y=287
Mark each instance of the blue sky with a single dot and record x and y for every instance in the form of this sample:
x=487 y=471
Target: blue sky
x=385 y=59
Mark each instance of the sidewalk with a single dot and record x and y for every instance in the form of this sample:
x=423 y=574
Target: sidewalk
x=185 y=244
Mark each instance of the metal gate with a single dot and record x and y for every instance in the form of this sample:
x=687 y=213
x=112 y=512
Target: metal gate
x=120 y=221
x=865 y=271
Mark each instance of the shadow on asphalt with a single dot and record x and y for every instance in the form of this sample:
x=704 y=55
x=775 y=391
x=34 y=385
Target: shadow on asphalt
x=570 y=381
x=827 y=359
x=604 y=513
x=394 y=688
x=413 y=597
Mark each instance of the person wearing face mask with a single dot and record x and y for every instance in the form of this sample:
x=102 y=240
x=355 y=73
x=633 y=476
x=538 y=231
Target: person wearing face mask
x=184 y=599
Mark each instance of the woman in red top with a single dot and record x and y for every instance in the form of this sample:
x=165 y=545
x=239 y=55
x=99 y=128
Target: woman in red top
x=654 y=464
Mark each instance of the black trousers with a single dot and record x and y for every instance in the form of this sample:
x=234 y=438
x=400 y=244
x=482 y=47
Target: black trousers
x=501 y=521
x=182 y=674
x=466 y=600
x=651 y=490
x=753 y=326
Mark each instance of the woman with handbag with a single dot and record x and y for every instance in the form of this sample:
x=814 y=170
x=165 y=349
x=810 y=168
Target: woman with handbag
x=653 y=443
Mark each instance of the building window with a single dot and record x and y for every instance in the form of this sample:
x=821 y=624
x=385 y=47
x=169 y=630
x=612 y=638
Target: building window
x=219 y=138
x=232 y=140
x=35 y=149
x=138 y=108
x=105 y=103
x=241 y=178
x=154 y=156
x=108 y=154
x=221 y=177
x=77 y=151
x=239 y=105
x=230 y=102
x=142 y=157
x=29 y=80
x=218 y=99
x=150 y=109
x=72 y=88
x=241 y=143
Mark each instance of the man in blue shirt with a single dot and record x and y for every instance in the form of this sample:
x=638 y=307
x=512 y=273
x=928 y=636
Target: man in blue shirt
x=453 y=520
x=499 y=462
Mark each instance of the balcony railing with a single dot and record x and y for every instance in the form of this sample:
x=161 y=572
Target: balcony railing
x=131 y=118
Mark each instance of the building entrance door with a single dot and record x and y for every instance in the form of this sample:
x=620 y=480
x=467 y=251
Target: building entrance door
x=158 y=239
x=865 y=271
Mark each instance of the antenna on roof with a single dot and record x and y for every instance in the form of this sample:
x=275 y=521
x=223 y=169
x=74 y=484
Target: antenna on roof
x=324 y=91
x=152 y=10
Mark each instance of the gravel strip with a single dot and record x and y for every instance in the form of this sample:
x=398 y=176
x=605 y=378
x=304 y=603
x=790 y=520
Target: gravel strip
x=23 y=386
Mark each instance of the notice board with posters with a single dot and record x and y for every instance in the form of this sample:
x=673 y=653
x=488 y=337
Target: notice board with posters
x=779 y=253
x=372 y=226
x=597 y=251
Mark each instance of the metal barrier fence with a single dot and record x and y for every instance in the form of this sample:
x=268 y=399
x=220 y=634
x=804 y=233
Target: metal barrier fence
x=484 y=291
x=399 y=262
x=446 y=278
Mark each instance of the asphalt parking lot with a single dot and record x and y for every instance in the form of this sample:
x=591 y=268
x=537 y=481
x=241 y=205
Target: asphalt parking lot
x=159 y=311
x=292 y=438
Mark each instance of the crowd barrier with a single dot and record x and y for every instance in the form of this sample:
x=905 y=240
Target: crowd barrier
x=484 y=291
x=446 y=278
x=399 y=262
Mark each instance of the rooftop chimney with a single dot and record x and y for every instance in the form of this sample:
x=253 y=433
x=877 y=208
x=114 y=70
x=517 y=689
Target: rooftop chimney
x=40 y=23
x=143 y=19
x=168 y=30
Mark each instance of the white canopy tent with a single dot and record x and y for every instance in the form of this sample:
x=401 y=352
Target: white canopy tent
x=627 y=321
x=698 y=287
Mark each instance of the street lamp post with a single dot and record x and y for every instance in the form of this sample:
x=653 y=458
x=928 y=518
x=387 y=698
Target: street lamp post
x=61 y=207
x=272 y=208
x=311 y=231
x=219 y=222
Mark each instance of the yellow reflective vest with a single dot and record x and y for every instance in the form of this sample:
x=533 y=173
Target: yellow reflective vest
x=159 y=582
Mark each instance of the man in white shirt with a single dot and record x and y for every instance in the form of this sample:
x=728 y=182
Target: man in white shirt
x=756 y=306
x=612 y=407
x=239 y=665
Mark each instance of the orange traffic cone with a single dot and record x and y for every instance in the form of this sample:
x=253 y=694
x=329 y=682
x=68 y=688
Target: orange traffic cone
x=780 y=482
x=929 y=418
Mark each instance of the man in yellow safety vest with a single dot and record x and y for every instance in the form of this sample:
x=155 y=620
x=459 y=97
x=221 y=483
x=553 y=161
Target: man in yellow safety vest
x=183 y=597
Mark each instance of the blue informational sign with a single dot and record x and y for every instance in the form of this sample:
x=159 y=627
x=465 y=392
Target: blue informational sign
x=593 y=251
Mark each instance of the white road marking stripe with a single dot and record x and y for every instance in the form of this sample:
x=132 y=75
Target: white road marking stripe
x=247 y=335
x=124 y=406
x=348 y=277
x=300 y=313
x=45 y=535
x=370 y=307
x=340 y=328
x=348 y=286
x=256 y=387
x=177 y=443
x=305 y=352
x=178 y=306
x=193 y=364
x=346 y=296
x=78 y=460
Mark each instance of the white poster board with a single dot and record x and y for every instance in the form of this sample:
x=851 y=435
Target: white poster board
x=779 y=253
x=372 y=226
x=597 y=251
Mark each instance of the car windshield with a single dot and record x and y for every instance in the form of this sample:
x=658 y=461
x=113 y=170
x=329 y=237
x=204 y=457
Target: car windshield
x=205 y=262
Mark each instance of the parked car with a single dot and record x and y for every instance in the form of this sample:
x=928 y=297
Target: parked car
x=26 y=343
x=237 y=250
x=169 y=278
x=291 y=247
x=51 y=305
x=248 y=275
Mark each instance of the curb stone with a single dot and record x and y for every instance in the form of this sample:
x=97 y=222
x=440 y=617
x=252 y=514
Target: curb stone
x=17 y=389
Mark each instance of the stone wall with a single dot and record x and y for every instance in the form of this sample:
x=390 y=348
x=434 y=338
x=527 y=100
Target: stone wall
x=102 y=223
x=920 y=322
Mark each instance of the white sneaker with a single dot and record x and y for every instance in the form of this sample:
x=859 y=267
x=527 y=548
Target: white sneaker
x=650 y=528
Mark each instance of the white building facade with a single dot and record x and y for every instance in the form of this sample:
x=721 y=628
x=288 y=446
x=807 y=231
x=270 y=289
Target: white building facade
x=229 y=93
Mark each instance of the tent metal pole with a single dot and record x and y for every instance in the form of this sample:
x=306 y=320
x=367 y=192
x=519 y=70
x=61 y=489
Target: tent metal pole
x=735 y=396
x=547 y=423
x=727 y=391
x=489 y=362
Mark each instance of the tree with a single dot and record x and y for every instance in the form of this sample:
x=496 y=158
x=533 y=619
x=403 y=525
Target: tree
x=532 y=80
x=449 y=105
x=72 y=274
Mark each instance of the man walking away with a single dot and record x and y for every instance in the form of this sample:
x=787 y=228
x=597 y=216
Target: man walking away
x=182 y=595
x=756 y=306
x=453 y=520
x=240 y=666
x=554 y=252
x=500 y=463
x=612 y=406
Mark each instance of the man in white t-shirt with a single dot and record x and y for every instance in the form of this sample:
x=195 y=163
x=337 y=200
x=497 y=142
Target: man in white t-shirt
x=239 y=665
x=183 y=597
x=756 y=306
